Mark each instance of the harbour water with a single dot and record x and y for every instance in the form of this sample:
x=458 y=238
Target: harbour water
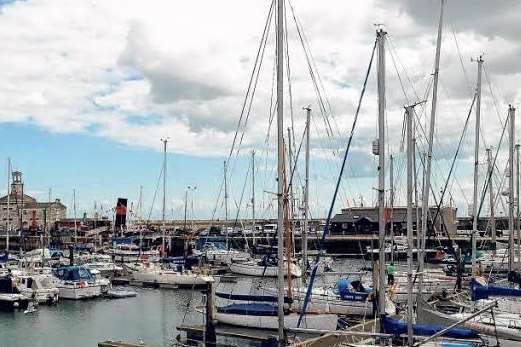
x=150 y=317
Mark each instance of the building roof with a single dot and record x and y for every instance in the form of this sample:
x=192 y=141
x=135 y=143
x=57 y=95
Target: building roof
x=14 y=198
x=354 y=214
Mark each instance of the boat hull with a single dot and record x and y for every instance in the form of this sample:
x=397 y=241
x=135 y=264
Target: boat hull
x=250 y=269
x=79 y=293
x=11 y=302
x=310 y=321
x=167 y=278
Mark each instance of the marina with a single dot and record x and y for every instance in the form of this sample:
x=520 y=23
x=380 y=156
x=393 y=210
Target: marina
x=377 y=203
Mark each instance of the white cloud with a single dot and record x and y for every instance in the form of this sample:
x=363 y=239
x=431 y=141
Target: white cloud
x=134 y=71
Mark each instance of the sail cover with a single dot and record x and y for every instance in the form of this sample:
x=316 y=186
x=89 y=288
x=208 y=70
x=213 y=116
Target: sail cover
x=480 y=291
x=397 y=327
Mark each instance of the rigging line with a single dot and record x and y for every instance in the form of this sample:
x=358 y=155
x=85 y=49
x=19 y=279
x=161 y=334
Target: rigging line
x=454 y=159
x=399 y=76
x=247 y=95
x=252 y=94
x=155 y=193
x=494 y=164
x=266 y=27
x=308 y=56
x=469 y=85
x=419 y=143
x=494 y=99
x=314 y=65
x=238 y=206
x=339 y=179
x=288 y=75
x=393 y=48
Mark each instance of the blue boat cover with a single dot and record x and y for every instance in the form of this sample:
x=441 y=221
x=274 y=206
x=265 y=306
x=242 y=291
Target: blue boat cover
x=397 y=327
x=479 y=291
x=250 y=309
x=247 y=297
x=73 y=273
x=351 y=290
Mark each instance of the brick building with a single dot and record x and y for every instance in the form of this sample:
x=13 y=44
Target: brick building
x=24 y=212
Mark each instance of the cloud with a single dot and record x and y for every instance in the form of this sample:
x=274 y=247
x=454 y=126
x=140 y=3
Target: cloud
x=135 y=72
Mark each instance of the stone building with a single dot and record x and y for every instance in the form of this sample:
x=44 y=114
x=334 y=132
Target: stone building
x=25 y=212
x=364 y=220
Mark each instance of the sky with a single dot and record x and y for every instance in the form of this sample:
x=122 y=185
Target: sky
x=89 y=88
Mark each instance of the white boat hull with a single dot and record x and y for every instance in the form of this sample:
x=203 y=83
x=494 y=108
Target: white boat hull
x=253 y=269
x=310 y=321
x=170 y=278
x=79 y=293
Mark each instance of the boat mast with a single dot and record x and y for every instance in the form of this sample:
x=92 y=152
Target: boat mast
x=186 y=207
x=140 y=217
x=290 y=197
x=280 y=169
x=381 y=168
x=491 y=195
x=306 y=196
x=517 y=205
x=8 y=223
x=476 y=168
x=253 y=196
x=427 y=176
x=410 y=242
x=163 y=236
x=391 y=191
x=225 y=174
x=511 y=119
x=74 y=212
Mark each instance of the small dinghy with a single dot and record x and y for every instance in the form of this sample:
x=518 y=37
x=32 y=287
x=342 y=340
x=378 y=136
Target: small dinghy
x=120 y=294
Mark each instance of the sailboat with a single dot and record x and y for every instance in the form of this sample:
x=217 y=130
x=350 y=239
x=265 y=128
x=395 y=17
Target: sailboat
x=151 y=273
x=266 y=267
x=276 y=313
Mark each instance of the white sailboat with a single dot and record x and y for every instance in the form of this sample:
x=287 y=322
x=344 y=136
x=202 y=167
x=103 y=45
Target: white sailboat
x=266 y=267
x=147 y=273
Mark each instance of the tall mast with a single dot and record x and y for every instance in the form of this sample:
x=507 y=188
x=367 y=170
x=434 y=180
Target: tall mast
x=410 y=241
x=306 y=195
x=280 y=168
x=476 y=167
x=140 y=217
x=74 y=212
x=518 y=235
x=253 y=222
x=163 y=236
x=290 y=197
x=381 y=168
x=391 y=183
x=427 y=177
x=186 y=208
x=225 y=174
x=511 y=119
x=491 y=195
x=8 y=223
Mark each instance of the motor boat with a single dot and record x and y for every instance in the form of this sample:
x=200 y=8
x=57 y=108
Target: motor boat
x=76 y=282
x=10 y=296
x=38 y=287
